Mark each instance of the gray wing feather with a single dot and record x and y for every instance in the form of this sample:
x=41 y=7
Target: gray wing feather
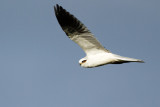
x=77 y=31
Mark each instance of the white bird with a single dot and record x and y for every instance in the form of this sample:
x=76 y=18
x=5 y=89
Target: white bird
x=96 y=54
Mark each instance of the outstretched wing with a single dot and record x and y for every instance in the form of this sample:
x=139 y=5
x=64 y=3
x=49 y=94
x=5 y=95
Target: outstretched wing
x=77 y=31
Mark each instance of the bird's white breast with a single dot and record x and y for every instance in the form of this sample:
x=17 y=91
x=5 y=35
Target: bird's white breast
x=99 y=59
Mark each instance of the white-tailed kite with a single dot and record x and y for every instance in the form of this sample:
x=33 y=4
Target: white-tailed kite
x=96 y=54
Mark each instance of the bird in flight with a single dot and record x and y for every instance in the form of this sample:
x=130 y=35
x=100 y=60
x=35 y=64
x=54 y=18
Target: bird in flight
x=96 y=54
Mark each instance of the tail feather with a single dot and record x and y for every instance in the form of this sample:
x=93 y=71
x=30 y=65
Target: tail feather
x=121 y=59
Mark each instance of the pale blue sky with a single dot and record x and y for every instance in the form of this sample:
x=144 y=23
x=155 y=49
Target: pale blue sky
x=39 y=64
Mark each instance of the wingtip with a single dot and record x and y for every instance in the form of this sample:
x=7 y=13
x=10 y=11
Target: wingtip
x=56 y=7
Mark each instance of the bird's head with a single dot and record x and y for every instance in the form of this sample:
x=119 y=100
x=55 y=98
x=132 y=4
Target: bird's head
x=82 y=62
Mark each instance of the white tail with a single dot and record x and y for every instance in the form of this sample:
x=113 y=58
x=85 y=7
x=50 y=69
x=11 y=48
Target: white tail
x=121 y=59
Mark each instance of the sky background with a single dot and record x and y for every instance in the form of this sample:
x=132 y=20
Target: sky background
x=39 y=64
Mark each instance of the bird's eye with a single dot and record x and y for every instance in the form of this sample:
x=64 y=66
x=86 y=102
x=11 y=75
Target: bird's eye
x=84 y=61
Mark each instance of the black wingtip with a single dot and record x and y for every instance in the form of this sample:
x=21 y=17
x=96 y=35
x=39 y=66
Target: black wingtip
x=68 y=22
x=56 y=7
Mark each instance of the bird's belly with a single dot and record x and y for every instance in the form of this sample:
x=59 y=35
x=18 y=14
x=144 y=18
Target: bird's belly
x=99 y=60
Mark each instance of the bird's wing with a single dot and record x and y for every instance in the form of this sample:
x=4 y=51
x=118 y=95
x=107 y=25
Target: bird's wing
x=77 y=31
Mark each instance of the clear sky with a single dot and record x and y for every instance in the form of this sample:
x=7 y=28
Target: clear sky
x=39 y=64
